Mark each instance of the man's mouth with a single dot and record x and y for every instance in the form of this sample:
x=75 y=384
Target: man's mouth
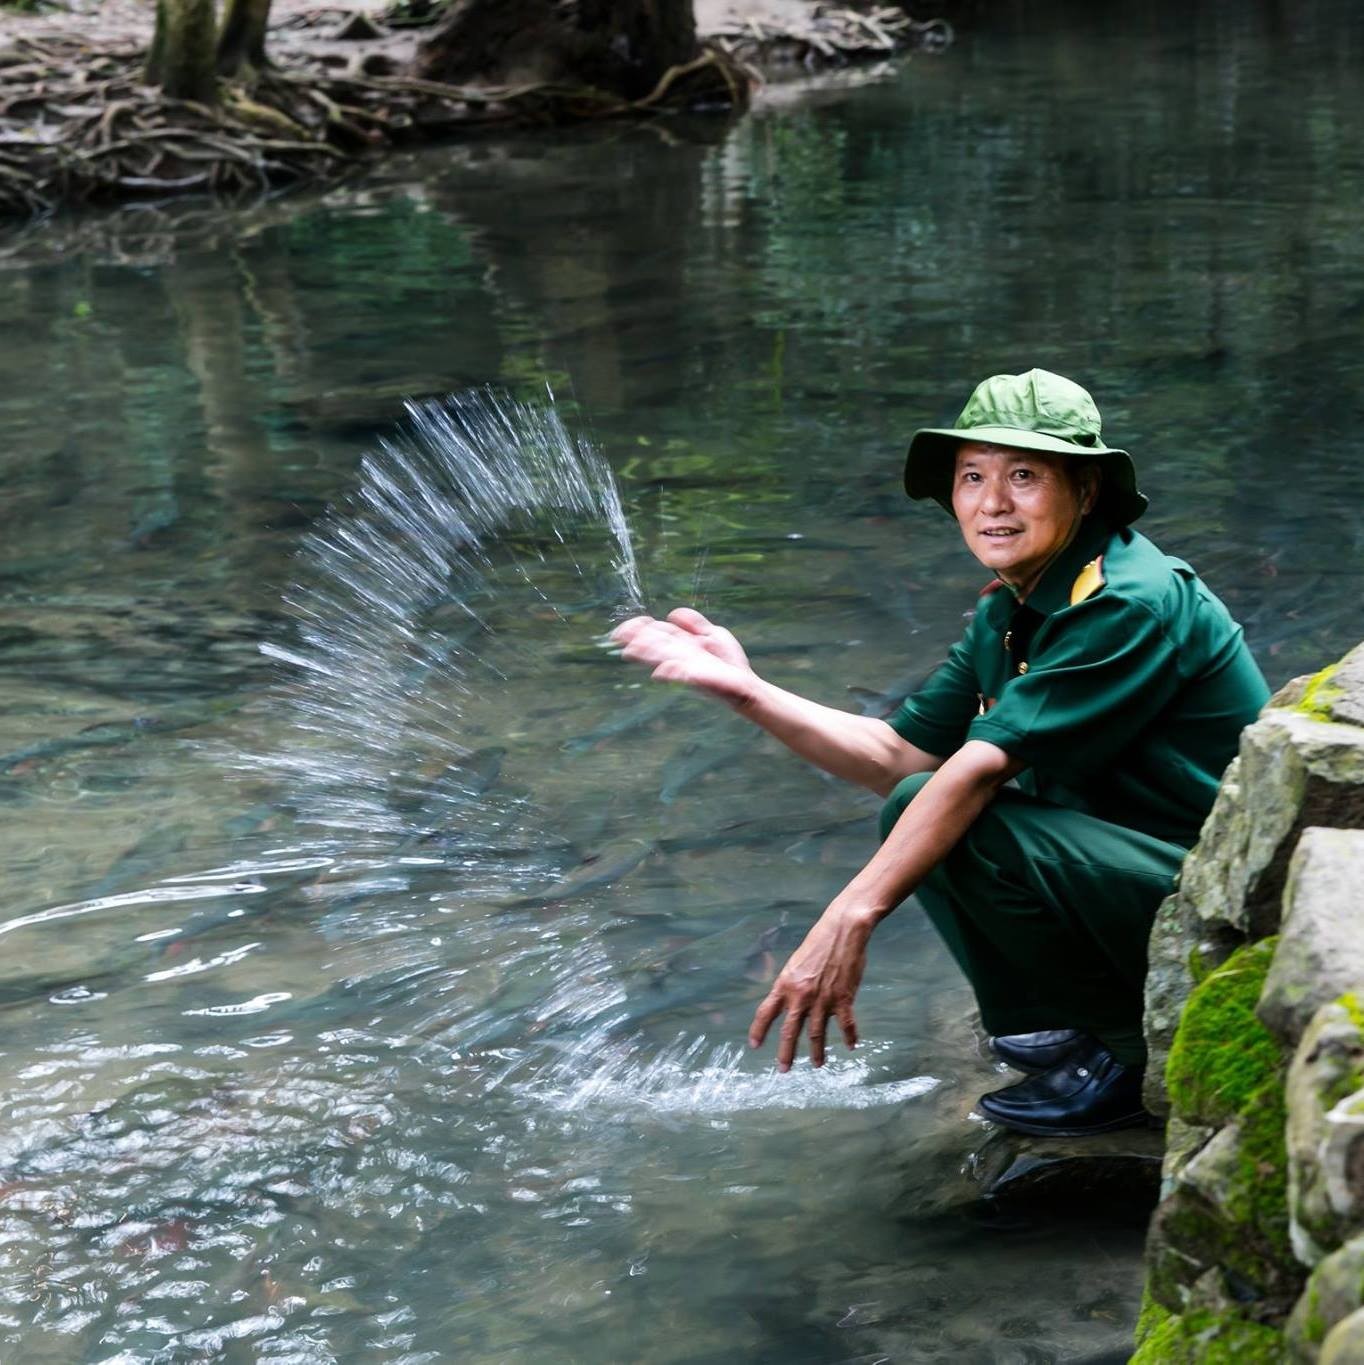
x=1002 y=532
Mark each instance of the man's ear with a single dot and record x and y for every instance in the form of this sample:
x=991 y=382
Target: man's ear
x=1091 y=479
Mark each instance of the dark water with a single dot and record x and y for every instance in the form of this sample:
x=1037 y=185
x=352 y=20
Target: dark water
x=456 y=1076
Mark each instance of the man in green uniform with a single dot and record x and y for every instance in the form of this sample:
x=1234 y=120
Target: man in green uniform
x=1099 y=679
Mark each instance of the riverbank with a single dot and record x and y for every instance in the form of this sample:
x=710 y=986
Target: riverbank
x=1257 y=1051
x=79 y=124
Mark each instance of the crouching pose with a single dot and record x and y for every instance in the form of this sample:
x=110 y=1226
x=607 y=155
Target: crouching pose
x=1099 y=679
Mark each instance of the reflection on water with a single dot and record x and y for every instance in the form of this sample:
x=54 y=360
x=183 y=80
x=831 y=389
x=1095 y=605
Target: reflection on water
x=415 y=1036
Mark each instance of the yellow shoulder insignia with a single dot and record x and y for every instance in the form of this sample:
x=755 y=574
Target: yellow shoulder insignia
x=1088 y=581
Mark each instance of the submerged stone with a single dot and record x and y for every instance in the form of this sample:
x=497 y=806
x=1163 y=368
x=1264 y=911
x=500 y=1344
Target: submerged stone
x=1116 y=1171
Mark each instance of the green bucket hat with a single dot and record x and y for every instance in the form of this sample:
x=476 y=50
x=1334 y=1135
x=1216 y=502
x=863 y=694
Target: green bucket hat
x=1034 y=411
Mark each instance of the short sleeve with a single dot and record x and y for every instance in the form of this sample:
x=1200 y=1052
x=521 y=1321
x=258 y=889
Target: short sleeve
x=936 y=717
x=1106 y=669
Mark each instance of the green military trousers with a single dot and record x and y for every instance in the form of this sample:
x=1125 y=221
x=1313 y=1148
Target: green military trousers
x=1048 y=910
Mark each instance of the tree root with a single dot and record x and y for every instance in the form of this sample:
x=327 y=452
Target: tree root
x=831 y=34
x=78 y=124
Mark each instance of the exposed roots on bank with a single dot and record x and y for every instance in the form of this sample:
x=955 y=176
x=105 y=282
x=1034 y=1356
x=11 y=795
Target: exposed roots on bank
x=80 y=125
x=822 y=34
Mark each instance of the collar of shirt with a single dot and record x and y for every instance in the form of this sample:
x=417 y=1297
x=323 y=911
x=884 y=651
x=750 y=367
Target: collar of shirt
x=1052 y=592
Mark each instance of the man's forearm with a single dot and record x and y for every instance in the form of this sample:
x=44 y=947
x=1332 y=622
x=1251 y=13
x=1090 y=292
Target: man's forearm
x=931 y=826
x=859 y=749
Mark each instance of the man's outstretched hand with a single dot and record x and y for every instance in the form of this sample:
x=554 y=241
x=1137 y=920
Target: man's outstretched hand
x=818 y=983
x=687 y=648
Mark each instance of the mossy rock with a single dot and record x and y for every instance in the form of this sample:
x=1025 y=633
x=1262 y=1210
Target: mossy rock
x=1222 y=1055
x=1221 y=1235
x=1204 y=1338
x=1227 y=1207
x=1334 y=1292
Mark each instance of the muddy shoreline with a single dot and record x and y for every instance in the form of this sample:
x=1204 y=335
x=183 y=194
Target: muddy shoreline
x=79 y=125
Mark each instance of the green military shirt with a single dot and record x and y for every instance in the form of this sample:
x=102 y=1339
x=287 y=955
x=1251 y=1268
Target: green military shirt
x=1126 y=703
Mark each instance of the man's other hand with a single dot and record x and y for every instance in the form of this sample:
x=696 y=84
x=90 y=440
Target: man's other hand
x=818 y=983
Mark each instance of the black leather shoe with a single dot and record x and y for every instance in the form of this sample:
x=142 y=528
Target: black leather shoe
x=1088 y=1093
x=1038 y=1051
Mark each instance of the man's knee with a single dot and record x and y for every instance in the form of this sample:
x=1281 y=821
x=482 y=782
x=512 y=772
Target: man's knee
x=904 y=792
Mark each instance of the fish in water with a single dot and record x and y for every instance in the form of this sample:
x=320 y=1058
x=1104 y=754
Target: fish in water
x=609 y=864
x=880 y=703
x=110 y=734
x=622 y=723
x=698 y=757
x=762 y=830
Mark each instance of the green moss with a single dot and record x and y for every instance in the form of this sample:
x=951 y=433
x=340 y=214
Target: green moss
x=1314 y=1329
x=1321 y=695
x=1349 y=1002
x=1203 y=1338
x=1222 y=1055
x=1198 y=968
x=1258 y=1199
x=1153 y=1315
x=1225 y=1067
x=1351 y=1080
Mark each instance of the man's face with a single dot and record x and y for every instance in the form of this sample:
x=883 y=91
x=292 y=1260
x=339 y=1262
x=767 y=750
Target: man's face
x=1016 y=508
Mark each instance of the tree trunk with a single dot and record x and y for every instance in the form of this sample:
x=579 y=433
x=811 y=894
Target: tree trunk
x=621 y=46
x=241 y=41
x=181 y=57
x=499 y=41
x=645 y=36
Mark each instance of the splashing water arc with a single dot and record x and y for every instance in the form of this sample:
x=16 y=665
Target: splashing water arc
x=470 y=471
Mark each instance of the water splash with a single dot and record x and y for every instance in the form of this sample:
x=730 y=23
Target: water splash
x=696 y=1077
x=407 y=590
x=389 y=599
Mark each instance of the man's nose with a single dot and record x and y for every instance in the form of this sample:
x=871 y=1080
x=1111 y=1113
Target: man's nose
x=998 y=496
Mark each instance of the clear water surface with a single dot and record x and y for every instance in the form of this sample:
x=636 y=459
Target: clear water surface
x=389 y=1010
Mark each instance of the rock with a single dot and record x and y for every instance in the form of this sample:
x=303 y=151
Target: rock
x=1334 y=1291
x=1345 y=1343
x=1327 y=1069
x=1321 y=948
x=1225 y=1205
x=1302 y=772
x=1294 y=770
x=1216 y=1238
x=1212 y=878
x=1258 y=949
x=1211 y=1082
x=1340 y=690
x=1200 y=1337
x=1183 y=1141
x=1115 y=1170
x=1342 y=1161
x=1290 y=696
x=1182 y=951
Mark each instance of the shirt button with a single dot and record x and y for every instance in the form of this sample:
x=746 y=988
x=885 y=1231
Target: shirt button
x=1023 y=668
